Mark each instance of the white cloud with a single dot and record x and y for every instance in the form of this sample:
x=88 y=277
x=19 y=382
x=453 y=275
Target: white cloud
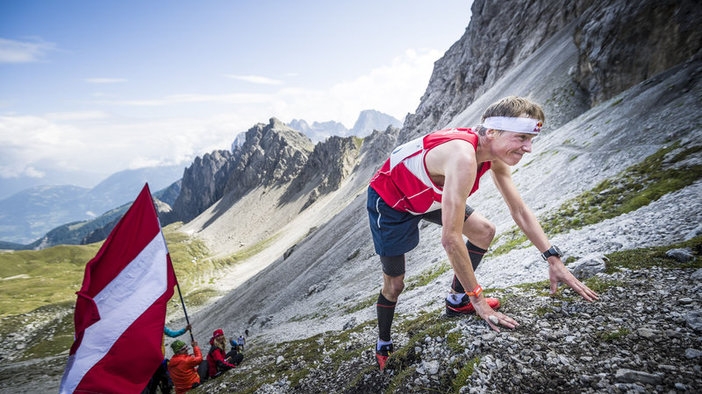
x=394 y=89
x=256 y=79
x=115 y=137
x=75 y=116
x=26 y=141
x=12 y=51
x=105 y=80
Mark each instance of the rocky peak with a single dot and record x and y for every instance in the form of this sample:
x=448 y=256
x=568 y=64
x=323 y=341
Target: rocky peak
x=370 y=120
x=378 y=145
x=367 y=121
x=496 y=40
x=318 y=131
x=272 y=154
x=619 y=43
x=202 y=185
x=328 y=165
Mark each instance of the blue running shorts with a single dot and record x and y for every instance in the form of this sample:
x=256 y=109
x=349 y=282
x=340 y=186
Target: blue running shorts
x=395 y=232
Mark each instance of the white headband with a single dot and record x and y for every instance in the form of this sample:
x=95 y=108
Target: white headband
x=516 y=125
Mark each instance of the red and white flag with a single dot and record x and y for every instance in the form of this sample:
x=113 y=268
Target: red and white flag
x=121 y=307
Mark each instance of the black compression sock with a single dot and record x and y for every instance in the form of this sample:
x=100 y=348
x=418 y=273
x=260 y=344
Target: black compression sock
x=386 y=312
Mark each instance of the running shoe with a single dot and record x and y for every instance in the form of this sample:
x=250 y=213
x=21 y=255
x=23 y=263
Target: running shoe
x=466 y=308
x=382 y=355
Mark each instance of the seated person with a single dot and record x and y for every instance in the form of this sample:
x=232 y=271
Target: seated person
x=235 y=356
x=217 y=356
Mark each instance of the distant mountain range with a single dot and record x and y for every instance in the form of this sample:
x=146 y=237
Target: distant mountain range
x=28 y=215
x=367 y=121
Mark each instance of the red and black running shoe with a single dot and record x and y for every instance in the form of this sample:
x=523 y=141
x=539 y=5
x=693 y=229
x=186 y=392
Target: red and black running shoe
x=382 y=355
x=466 y=308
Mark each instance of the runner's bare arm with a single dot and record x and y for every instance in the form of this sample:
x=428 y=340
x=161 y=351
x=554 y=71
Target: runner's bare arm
x=526 y=220
x=456 y=165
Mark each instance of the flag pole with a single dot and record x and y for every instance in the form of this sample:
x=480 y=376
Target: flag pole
x=187 y=321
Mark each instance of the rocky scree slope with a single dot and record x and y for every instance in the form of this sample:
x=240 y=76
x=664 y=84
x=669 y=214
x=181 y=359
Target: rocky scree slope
x=642 y=336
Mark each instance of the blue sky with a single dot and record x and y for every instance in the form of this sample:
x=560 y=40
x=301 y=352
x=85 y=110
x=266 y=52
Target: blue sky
x=88 y=88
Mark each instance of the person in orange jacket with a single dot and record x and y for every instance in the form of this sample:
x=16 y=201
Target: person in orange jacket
x=183 y=366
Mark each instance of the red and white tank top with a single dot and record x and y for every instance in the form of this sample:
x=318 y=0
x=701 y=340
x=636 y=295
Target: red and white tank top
x=403 y=181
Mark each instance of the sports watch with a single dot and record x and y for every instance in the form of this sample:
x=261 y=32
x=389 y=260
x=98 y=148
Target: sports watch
x=552 y=251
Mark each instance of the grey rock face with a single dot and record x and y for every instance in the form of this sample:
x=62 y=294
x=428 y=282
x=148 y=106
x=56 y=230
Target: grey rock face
x=272 y=154
x=202 y=185
x=495 y=41
x=622 y=43
x=329 y=163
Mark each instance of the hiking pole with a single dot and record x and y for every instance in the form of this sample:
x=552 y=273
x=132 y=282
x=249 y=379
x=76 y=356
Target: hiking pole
x=187 y=321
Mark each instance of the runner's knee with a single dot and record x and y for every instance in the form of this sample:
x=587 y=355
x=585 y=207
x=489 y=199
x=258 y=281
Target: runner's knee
x=392 y=287
x=479 y=230
x=489 y=232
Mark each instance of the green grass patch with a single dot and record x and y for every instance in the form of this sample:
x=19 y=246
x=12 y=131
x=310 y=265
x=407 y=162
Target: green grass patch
x=367 y=303
x=35 y=278
x=599 y=285
x=509 y=240
x=542 y=311
x=54 y=336
x=464 y=374
x=247 y=252
x=541 y=287
x=612 y=336
x=655 y=257
x=661 y=173
x=32 y=279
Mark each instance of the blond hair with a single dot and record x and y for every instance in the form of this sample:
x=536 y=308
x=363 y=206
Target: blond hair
x=513 y=107
x=220 y=342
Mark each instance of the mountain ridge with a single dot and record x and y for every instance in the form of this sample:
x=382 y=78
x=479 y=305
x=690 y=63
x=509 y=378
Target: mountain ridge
x=367 y=121
x=30 y=214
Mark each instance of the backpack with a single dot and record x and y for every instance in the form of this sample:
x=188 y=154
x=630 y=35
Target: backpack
x=203 y=370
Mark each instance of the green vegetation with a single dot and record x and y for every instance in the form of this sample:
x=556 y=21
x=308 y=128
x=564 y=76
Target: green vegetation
x=56 y=337
x=509 y=240
x=599 y=285
x=464 y=374
x=367 y=303
x=654 y=257
x=32 y=279
x=613 y=335
x=357 y=141
x=661 y=173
